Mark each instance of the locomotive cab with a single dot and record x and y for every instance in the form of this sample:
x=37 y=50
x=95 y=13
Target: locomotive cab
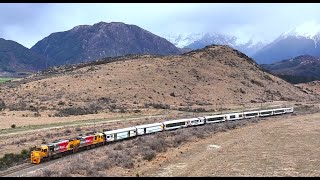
x=39 y=153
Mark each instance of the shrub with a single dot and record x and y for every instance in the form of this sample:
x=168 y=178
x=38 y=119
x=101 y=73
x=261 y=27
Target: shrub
x=157 y=105
x=2 y=105
x=148 y=154
x=256 y=82
x=118 y=147
x=78 y=129
x=13 y=126
x=47 y=172
x=137 y=111
x=157 y=145
x=67 y=131
x=120 y=159
x=181 y=137
x=103 y=164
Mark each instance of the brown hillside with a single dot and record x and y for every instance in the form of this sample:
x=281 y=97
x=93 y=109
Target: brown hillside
x=208 y=78
x=310 y=87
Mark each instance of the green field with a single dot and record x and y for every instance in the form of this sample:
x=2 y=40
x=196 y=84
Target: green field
x=2 y=80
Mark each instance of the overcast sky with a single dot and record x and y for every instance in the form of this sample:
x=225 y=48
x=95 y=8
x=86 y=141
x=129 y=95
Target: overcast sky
x=29 y=23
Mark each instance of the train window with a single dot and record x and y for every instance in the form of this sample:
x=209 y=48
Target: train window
x=266 y=112
x=232 y=116
x=175 y=124
x=215 y=118
x=240 y=115
x=252 y=114
x=278 y=111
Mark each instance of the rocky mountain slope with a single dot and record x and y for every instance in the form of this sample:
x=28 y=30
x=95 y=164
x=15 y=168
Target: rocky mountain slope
x=86 y=43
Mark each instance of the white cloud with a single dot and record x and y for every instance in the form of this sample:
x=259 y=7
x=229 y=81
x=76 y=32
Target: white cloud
x=29 y=23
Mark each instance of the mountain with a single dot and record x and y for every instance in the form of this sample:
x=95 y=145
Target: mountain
x=303 y=39
x=207 y=78
x=16 y=58
x=300 y=69
x=200 y=40
x=88 y=43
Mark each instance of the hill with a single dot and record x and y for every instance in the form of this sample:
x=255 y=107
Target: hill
x=205 y=79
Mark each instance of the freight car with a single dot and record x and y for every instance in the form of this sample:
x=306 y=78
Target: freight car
x=63 y=147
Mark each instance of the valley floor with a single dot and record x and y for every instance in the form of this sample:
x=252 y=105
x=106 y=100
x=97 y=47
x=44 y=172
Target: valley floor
x=276 y=146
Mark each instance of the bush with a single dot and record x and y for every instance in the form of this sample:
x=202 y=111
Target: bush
x=118 y=147
x=11 y=159
x=157 y=105
x=181 y=137
x=148 y=154
x=13 y=126
x=103 y=164
x=2 y=105
x=157 y=145
x=256 y=82
x=137 y=111
x=121 y=159
x=47 y=173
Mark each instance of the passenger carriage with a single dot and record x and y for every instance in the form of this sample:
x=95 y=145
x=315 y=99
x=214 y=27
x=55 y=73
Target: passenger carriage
x=264 y=113
x=119 y=134
x=251 y=114
x=149 y=128
x=215 y=118
x=279 y=111
x=234 y=116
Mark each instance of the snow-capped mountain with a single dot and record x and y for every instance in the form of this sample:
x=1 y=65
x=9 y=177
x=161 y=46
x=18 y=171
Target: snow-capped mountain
x=200 y=40
x=310 y=30
x=183 y=40
x=303 y=39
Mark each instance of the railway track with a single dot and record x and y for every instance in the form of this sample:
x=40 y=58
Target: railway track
x=15 y=169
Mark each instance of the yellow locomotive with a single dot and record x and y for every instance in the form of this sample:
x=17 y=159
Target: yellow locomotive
x=62 y=147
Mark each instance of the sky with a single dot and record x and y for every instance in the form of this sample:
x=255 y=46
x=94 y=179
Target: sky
x=29 y=23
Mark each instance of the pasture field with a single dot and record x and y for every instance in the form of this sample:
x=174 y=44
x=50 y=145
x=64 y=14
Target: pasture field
x=2 y=80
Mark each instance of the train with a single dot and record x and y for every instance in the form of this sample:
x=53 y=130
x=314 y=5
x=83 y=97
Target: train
x=63 y=147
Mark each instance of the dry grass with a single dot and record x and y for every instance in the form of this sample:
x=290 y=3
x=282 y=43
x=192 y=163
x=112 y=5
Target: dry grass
x=310 y=87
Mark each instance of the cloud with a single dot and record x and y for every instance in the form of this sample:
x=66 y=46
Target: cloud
x=29 y=23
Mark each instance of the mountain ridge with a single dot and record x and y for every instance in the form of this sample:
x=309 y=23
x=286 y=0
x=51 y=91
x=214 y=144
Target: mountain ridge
x=91 y=42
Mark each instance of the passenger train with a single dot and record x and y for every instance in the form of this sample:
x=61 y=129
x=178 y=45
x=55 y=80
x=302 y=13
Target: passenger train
x=60 y=148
